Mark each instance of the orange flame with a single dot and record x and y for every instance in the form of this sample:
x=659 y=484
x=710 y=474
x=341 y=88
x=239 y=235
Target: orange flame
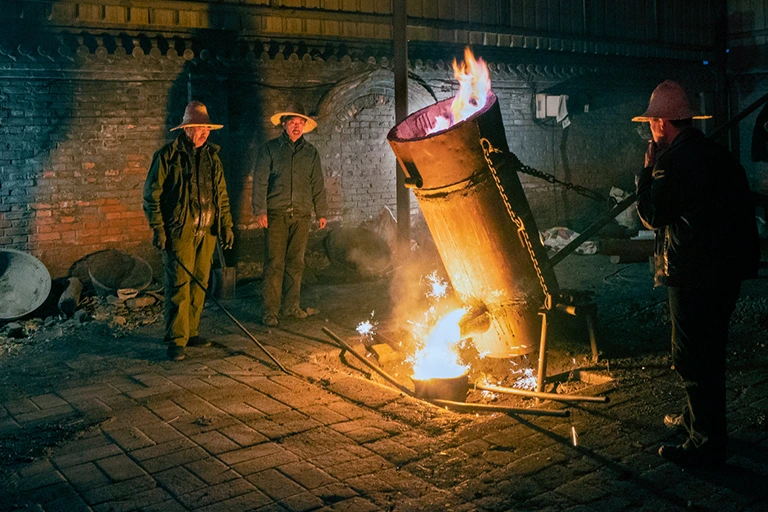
x=474 y=86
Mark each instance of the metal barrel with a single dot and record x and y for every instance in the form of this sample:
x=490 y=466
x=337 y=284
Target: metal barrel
x=480 y=220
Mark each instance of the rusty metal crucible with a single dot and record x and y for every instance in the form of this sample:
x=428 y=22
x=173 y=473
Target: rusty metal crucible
x=454 y=389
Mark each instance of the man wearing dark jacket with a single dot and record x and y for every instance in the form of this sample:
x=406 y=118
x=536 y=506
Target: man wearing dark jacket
x=287 y=187
x=694 y=194
x=186 y=203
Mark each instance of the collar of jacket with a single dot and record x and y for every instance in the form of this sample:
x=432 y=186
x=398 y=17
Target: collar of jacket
x=183 y=144
x=284 y=139
x=686 y=134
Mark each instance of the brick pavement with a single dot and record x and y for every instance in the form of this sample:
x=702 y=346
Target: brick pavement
x=223 y=430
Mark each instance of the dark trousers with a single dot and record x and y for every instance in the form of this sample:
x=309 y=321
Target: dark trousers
x=184 y=300
x=700 y=320
x=286 y=243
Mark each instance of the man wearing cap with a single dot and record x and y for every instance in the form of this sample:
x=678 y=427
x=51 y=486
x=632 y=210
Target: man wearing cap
x=186 y=203
x=287 y=187
x=694 y=194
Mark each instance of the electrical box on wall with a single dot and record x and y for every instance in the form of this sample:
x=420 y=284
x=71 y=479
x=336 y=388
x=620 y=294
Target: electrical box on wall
x=549 y=106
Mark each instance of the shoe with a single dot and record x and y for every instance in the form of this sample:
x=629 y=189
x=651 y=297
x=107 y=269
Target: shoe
x=198 y=341
x=683 y=456
x=296 y=313
x=175 y=352
x=674 y=422
x=269 y=320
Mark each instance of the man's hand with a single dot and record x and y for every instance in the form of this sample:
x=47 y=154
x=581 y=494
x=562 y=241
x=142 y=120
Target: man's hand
x=322 y=222
x=229 y=238
x=261 y=221
x=158 y=239
x=650 y=154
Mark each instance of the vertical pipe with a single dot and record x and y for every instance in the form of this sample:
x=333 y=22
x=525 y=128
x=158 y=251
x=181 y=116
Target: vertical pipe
x=591 y=320
x=542 y=353
x=400 y=35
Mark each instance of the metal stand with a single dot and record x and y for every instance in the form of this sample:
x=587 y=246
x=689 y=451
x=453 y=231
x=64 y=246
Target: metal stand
x=588 y=312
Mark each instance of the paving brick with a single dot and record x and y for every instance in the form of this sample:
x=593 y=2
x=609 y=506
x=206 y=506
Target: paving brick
x=67 y=504
x=74 y=459
x=221 y=492
x=130 y=439
x=358 y=467
x=252 y=452
x=178 y=481
x=85 y=476
x=334 y=493
x=340 y=456
x=283 y=425
x=355 y=504
x=212 y=471
x=136 y=501
x=269 y=461
x=214 y=442
x=243 y=435
x=159 y=450
x=36 y=475
x=242 y=411
x=365 y=393
x=275 y=484
x=306 y=475
x=365 y=434
x=174 y=459
x=165 y=506
x=393 y=451
x=301 y=502
x=118 y=491
x=316 y=442
x=47 y=401
x=21 y=406
x=49 y=414
x=323 y=414
x=120 y=467
x=166 y=409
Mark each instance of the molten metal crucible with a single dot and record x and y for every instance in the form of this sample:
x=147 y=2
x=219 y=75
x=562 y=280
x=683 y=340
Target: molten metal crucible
x=481 y=222
x=474 y=323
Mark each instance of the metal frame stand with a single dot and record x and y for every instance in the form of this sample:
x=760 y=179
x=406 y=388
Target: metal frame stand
x=588 y=312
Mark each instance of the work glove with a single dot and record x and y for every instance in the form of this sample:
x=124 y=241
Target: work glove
x=229 y=238
x=158 y=239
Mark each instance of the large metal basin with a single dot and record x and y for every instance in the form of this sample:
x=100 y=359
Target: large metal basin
x=24 y=284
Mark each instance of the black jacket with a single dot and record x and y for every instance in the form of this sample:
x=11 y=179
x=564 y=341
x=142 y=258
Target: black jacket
x=698 y=202
x=168 y=187
x=289 y=175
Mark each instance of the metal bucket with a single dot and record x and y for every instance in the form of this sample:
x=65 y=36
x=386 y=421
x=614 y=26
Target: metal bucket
x=24 y=284
x=114 y=270
x=454 y=389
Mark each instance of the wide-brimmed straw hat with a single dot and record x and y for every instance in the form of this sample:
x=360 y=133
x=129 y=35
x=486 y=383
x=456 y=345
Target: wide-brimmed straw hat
x=669 y=101
x=197 y=115
x=295 y=109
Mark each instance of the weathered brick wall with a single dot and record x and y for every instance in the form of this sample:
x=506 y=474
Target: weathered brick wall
x=79 y=131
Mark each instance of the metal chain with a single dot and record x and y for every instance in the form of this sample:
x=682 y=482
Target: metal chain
x=550 y=178
x=521 y=231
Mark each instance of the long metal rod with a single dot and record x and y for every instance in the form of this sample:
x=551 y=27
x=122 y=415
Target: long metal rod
x=465 y=407
x=231 y=317
x=594 y=228
x=343 y=344
x=541 y=394
x=542 y=353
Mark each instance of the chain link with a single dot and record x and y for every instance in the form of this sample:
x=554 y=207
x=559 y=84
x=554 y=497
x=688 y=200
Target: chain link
x=512 y=159
x=488 y=149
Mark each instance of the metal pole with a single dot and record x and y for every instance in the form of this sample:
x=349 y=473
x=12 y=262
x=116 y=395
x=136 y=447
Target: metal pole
x=465 y=407
x=231 y=317
x=542 y=353
x=540 y=394
x=400 y=36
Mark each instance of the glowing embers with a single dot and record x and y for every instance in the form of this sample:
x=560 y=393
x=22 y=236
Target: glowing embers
x=474 y=87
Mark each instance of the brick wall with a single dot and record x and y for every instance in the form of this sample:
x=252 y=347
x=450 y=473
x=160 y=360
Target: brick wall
x=79 y=132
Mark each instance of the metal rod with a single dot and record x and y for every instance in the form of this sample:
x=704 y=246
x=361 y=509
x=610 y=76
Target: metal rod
x=367 y=363
x=465 y=407
x=738 y=117
x=542 y=353
x=539 y=394
x=591 y=319
x=231 y=317
x=594 y=228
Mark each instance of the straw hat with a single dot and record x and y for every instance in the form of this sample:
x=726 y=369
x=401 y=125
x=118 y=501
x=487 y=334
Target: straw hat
x=197 y=115
x=295 y=109
x=669 y=101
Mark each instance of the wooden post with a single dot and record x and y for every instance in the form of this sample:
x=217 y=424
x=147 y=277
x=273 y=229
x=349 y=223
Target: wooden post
x=71 y=297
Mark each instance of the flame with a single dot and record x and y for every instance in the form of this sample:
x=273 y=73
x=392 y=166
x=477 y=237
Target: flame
x=367 y=328
x=474 y=86
x=437 y=359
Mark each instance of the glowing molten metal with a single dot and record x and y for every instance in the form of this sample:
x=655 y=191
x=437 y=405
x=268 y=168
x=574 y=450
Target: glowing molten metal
x=437 y=359
x=474 y=86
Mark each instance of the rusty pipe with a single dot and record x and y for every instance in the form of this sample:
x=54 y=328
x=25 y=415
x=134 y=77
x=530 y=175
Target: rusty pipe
x=465 y=407
x=542 y=394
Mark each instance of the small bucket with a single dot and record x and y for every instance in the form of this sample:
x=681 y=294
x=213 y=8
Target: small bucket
x=454 y=389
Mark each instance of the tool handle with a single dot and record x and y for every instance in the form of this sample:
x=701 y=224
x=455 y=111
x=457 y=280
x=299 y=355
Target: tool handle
x=220 y=253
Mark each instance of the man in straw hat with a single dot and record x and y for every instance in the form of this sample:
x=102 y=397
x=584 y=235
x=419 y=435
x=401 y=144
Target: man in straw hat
x=694 y=194
x=287 y=187
x=186 y=203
